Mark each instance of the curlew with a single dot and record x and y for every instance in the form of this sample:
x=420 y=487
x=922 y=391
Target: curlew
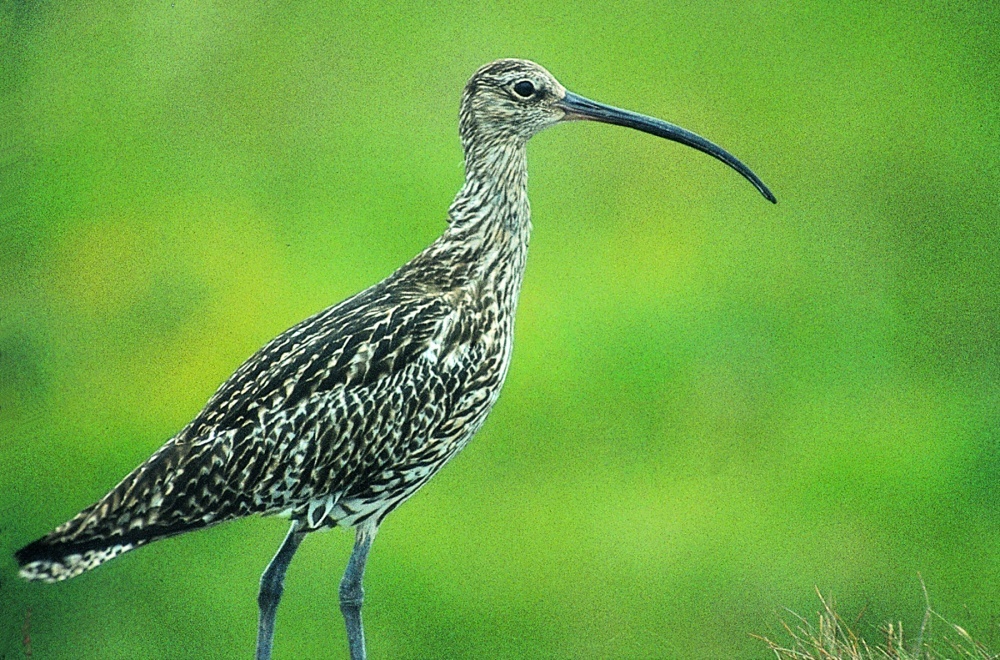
x=341 y=418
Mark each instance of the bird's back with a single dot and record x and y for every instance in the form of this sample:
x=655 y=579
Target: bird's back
x=337 y=420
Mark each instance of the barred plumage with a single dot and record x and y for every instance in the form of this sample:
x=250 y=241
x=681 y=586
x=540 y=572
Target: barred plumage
x=341 y=418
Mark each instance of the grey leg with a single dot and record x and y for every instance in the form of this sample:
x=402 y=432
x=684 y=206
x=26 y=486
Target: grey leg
x=271 y=586
x=351 y=593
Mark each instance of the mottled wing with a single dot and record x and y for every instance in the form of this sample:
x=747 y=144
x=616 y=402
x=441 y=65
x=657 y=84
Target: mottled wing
x=284 y=419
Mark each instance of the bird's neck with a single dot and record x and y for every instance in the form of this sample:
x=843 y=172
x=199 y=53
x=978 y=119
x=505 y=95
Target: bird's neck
x=495 y=193
x=490 y=219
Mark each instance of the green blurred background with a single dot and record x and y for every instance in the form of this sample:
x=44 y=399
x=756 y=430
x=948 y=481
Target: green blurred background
x=715 y=405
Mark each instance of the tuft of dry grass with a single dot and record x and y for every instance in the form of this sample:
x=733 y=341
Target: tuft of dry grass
x=831 y=638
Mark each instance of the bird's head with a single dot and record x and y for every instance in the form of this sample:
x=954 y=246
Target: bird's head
x=509 y=100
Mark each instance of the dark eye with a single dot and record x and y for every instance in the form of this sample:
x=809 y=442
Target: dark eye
x=524 y=89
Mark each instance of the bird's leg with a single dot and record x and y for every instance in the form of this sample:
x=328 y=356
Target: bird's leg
x=271 y=586
x=351 y=592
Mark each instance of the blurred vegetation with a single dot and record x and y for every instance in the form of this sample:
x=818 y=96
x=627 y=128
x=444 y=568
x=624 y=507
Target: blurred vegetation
x=832 y=638
x=714 y=404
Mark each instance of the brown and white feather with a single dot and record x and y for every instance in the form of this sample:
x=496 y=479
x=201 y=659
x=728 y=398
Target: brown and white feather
x=344 y=416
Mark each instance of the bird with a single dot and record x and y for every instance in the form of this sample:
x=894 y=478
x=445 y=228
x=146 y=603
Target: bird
x=341 y=418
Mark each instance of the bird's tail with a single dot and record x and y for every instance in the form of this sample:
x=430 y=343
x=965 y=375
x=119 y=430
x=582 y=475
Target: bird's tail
x=60 y=555
x=158 y=499
x=52 y=559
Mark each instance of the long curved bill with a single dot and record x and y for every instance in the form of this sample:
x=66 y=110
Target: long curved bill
x=578 y=107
